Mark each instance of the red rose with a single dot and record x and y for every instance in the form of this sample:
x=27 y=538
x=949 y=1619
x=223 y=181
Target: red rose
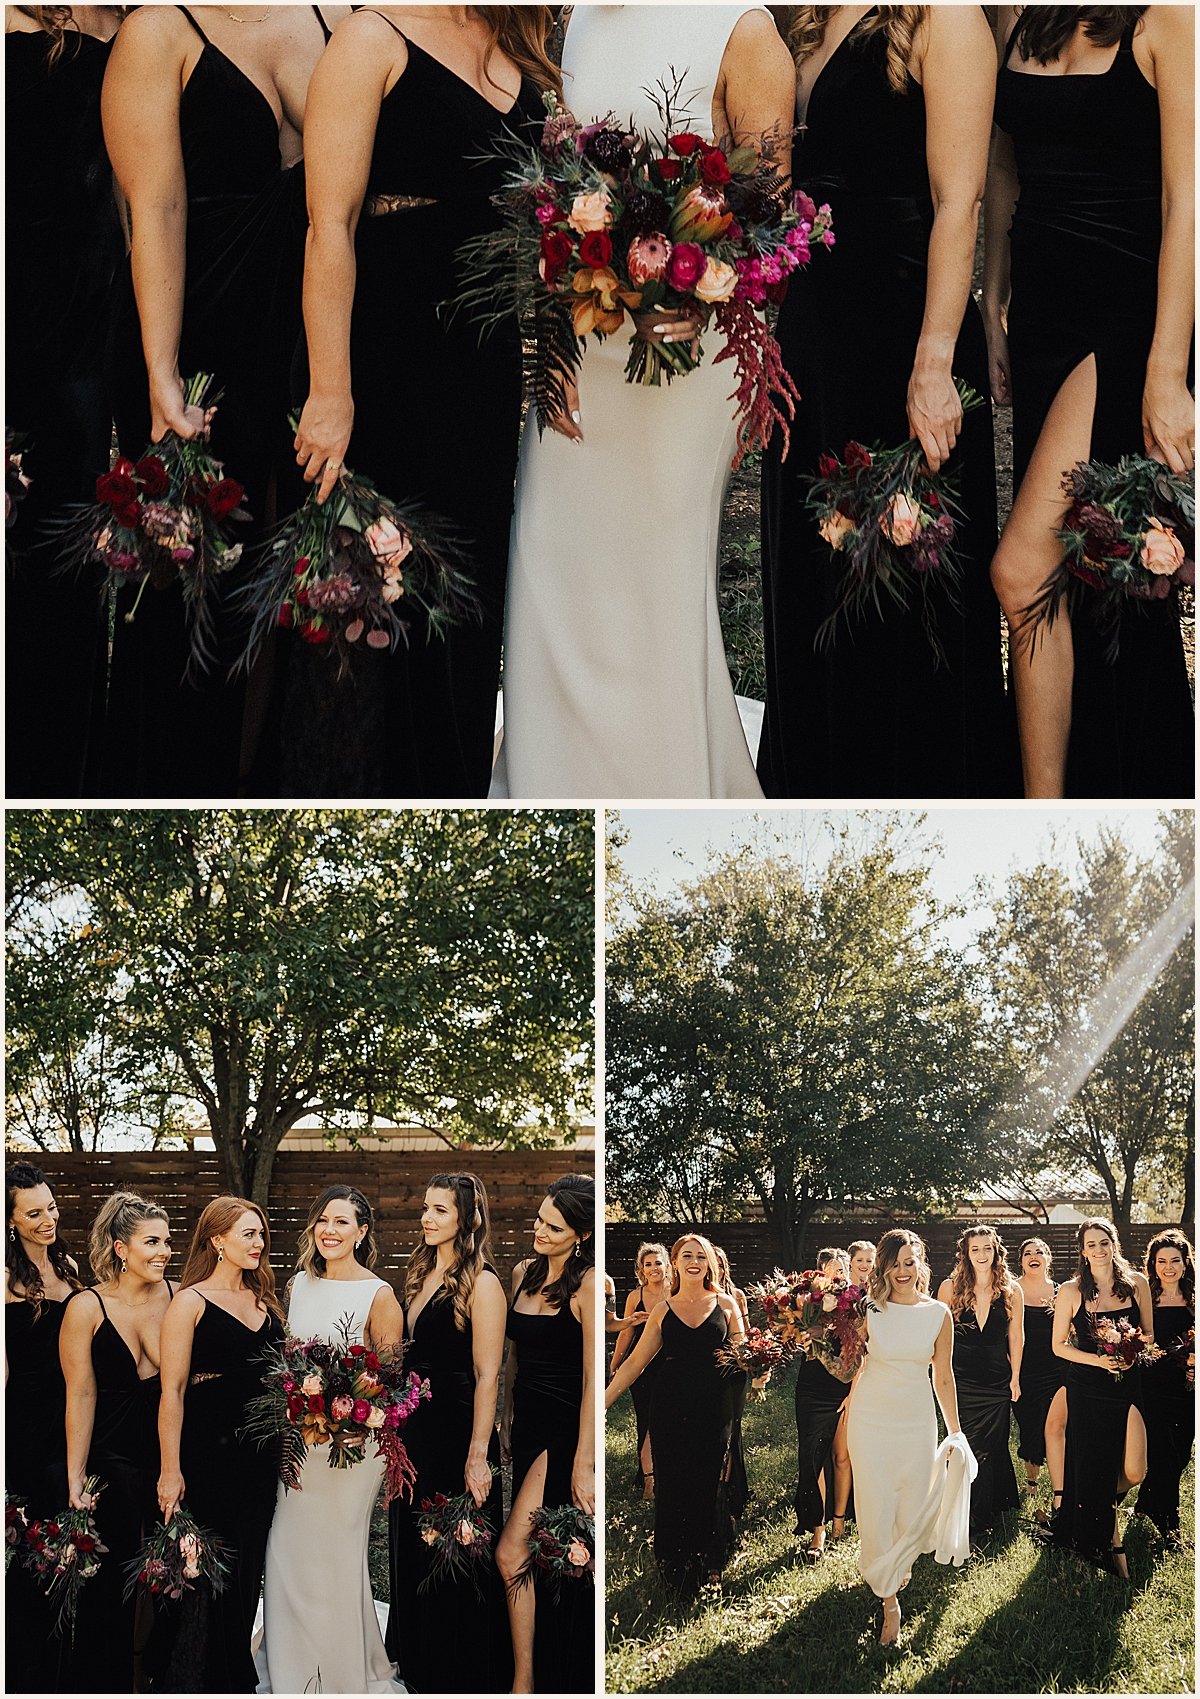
x=668 y=169
x=117 y=486
x=285 y=615
x=827 y=465
x=316 y=1405
x=358 y=1350
x=317 y=634
x=372 y=1362
x=685 y=143
x=128 y=513
x=152 y=475
x=596 y=248
x=557 y=249
x=84 y=1543
x=301 y=567
x=223 y=496
x=295 y=1406
x=714 y=167
x=857 y=457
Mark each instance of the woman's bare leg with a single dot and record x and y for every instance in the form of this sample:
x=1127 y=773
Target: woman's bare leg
x=511 y=1552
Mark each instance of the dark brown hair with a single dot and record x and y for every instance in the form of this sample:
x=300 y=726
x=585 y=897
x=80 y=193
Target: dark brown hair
x=472 y=1247
x=1172 y=1239
x=962 y=1276
x=1043 y=31
x=574 y=1197
x=1123 y=1285
x=24 y=1177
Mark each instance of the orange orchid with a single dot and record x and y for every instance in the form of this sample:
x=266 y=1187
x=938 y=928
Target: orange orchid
x=602 y=301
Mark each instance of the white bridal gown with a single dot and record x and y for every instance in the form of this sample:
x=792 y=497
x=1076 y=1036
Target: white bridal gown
x=910 y=1494
x=615 y=681
x=321 y=1631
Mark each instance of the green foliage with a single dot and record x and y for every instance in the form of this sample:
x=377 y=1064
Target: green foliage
x=431 y=965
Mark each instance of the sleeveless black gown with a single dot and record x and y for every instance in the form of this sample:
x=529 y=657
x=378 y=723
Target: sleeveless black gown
x=1169 y=1406
x=241 y=321
x=873 y=715
x=450 y=1618
x=1098 y=1406
x=691 y=1426
x=641 y=1392
x=436 y=419
x=819 y=1397
x=1085 y=244
x=230 y=1484
x=547 y=1394
x=35 y=1460
x=1042 y=1373
x=60 y=199
x=124 y=1455
x=983 y=1375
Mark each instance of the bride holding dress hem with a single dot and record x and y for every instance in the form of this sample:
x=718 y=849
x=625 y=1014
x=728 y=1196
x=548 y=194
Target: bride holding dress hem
x=615 y=678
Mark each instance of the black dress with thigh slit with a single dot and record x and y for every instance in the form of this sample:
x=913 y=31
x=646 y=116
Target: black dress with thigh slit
x=691 y=1427
x=1042 y=1373
x=983 y=1377
x=35 y=1474
x=1098 y=1406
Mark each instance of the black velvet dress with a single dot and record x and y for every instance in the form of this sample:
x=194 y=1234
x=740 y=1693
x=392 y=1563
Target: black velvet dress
x=451 y=1619
x=1085 y=246
x=62 y=212
x=230 y=1488
x=1042 y=1373
x=819 y=1397
x=124 y=1456
x=241 y=322
x=436 y=418
x=983 y=1376
x=35 y=1460
x=1170 y=1410
x=691 y=1426
x=547 y=1394
x=873 y=714
x=641 y=1392
x=1098 y=1406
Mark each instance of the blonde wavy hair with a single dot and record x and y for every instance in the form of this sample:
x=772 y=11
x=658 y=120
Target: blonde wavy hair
x=472 y=1247
x=114 y=1223
x=962 y=1278
x=805 y=26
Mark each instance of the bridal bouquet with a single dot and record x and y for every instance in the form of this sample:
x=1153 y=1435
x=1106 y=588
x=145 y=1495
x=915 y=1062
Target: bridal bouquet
x=65 y=1551
x=459 y=1537
x=174 y=1557
x=820 y=1314
x=161 y=520
x=341 y=1396
x=1128 y=1344
x=16 y=480
x=890 y=521
x=562 y=1547
x=1128 y=535
x=338 y=572
x=599 y=221
x=758 y=1354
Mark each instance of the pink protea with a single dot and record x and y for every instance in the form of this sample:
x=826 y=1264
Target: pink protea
x=648 y=258
x=332 y=595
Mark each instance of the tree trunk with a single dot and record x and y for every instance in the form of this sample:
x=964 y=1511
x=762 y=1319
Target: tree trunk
x=1189 y=1160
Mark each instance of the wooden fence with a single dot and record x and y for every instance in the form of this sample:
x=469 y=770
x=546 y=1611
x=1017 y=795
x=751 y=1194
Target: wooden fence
x=394 y=1182
x=752 y=1252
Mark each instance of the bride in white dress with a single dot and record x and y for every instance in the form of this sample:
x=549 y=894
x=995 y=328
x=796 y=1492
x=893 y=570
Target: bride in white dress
x=615 y=679
x=910 y=1494
x=321 y=1633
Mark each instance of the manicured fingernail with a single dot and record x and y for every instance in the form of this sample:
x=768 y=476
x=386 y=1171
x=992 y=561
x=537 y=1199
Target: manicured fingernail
x=575 y=415
x=668 y=338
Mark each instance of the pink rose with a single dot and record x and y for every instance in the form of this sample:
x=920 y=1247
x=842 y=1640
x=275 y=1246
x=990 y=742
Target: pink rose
x=836 y=529
x=902 y=521
x=361 y=1410
x=578 y=1554
x=388 y=543
x=686 y=266
x=647 y=258
x=718 y=282
x=590 y=212
x=1162 y=552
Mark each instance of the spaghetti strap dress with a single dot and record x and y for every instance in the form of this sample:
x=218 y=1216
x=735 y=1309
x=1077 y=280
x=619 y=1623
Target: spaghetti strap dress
x=60 y=199
x=547 y=1395
x=241 y=322
x=436 y=416
x=691 y=1430
x=1098 y=1406
x=983 y=1377
x=35 y=1474
x=426 y=1620
x=1042 y=1373
x=1170 y=1410
x=874 y=713
x=1085 y=246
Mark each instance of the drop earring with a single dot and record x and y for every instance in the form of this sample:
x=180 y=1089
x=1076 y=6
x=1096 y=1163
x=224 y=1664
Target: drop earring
x=220 y=1253
x=124 y=1266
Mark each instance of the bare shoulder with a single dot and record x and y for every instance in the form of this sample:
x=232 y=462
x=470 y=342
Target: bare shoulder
x=518 y=1274
x=188 y=1301
x=1168 y=30
x=958 y=29
x=365 y=31
x=487 y=1286
x=155 y=29
x=755 y=46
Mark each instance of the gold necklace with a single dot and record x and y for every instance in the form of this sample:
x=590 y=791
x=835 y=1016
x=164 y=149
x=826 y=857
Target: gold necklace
x=234 y=19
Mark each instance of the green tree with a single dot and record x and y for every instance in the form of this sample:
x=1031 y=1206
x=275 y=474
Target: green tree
x=433 y=966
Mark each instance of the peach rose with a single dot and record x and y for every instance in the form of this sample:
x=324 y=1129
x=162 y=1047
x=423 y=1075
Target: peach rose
x=902 y=521
x=430 y=1536
x=836 y=529
x=311 y=1385
x=717 y=284
x=1162 y=552
x=388 y=543
x=465 y=1533
x=590 y=212
x=578 y=1554
x=376 y=1418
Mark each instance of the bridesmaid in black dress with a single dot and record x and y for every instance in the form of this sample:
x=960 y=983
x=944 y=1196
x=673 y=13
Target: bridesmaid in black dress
x=224 y=1316
x=203 y=112
x=819 y=1400
x=691 y=1416
x=405 y=103
x=1041 y=1410
x=1094 y=111
x=896 y=103
x=1106 y=1435
x=550 y=1430
x=110 y=1356
x=651 y=1266
x=455 y=1308
x=39 y=1276
x=60 y=199
x=987 y=1365
x=1169 y=1402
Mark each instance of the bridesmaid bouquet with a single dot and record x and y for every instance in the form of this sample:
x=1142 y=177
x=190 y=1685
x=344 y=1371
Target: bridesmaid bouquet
x=340 y=1396
x=1128 y=535
x=599 y=221
x=1120 y=1339
x=16 y=480
x=174 y=1557
x=890 y=522
x=562 y=1547
x=337 y=573
x=1184 y=1349
x=162 y=520
x=65 y=1551
x=758 y=1354
x=16 y=1528
x=820 y=1314
x=459 y=1537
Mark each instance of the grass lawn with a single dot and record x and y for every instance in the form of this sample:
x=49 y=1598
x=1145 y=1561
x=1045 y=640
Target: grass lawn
x=1018 y=1619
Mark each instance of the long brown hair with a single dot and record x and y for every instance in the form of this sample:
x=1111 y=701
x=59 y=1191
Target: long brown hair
x=472 y=1247
x=1043 y=31
x=521 y=32
x=366 y=1251
x=1123 y=1286
x=216 y=1218
x=1173 y=1240
x=24 y=1177
x=887 y=1253
x=962 y=1278
x=805 y=29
